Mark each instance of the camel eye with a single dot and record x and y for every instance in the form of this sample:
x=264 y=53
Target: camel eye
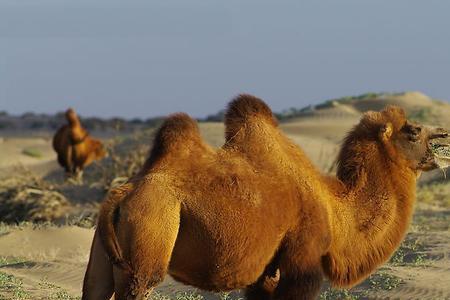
x=412 y=132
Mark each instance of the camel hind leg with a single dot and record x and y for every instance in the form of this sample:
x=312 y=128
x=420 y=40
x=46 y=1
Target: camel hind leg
x=98 y=280
x=151 y=229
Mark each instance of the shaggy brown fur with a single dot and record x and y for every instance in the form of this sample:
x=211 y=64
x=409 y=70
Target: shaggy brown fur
x=74 y=147
x=257 y=208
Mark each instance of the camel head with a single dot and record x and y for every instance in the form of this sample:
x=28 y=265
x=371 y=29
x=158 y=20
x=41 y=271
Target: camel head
x=387 y=136
x=406 y=143
x=411 y=142
x=71 y=116
x=415 y=141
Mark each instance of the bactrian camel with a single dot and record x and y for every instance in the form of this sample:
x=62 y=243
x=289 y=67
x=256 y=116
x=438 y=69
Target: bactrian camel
x=234 y=217
x=75 y=148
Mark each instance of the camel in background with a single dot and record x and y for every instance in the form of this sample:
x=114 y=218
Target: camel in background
x=75 y=148
x=257 y=208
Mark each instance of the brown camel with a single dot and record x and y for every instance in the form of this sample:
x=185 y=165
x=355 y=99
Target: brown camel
x=74 y=147
x=257 y=208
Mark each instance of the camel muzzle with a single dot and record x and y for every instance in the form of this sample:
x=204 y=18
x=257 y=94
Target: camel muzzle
x=440 y=147
x=438 y=133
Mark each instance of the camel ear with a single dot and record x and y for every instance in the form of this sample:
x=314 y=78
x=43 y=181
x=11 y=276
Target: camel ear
x=386 y=132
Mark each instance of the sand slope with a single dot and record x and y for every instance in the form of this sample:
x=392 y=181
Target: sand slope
x=57 y=257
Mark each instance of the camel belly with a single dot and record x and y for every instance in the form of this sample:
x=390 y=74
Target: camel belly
x=216 y=273
x=221 y=261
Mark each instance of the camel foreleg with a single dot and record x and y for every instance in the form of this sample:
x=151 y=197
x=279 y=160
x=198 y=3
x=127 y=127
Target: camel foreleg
x=301 y=274
x=263 y=289
x=301 y=286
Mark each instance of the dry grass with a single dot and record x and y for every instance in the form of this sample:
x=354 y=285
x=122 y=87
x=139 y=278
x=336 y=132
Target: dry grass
x=27 y=197
x=126 y=155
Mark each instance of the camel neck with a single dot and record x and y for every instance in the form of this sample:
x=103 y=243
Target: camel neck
x=369 y=220
x=74 y=122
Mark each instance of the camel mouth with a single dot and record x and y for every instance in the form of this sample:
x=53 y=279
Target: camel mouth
x=441 y=153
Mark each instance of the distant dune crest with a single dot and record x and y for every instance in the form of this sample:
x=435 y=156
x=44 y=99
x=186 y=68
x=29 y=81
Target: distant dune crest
x=418 y=106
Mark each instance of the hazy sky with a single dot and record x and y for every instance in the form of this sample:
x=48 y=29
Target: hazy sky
x=153 y=57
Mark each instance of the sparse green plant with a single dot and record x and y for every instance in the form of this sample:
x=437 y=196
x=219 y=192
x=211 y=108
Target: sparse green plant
x=191 y=295
x=159 y=296
x=188 y=296
x=55 y=292
x=13 y=287
x=224 y=296
x=32 y=152
x=409 y=253
x=332 y=294
x=384 y=281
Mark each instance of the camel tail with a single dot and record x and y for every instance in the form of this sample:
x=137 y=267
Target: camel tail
x=241 y=109
x=107 y=218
